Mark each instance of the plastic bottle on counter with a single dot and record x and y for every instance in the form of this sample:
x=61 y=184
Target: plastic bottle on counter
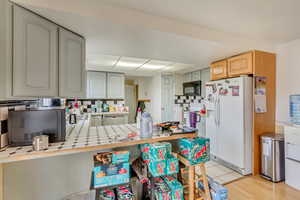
x=146 y=128
x=138 y=118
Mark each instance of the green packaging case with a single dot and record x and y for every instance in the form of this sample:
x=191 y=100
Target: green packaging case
x=156 y=151
x=175 y=186
x=157 y=168
x=164 y=167
x=107 y=194
x=196 y=150
x=160 y=189
x=172 y=165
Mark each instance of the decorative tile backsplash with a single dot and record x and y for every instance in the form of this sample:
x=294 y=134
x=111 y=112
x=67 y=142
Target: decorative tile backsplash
x=180 y=99
x=95 y=101
x=185 y=101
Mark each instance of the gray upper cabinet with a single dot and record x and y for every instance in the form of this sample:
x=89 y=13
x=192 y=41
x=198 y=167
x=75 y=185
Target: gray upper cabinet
x=187 y=77
x=205 y=77
x=96 y=85
x=196 y=76
x=115 y=86
x=72 y=73
x=35 y=58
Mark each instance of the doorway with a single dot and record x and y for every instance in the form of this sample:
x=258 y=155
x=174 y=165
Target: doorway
x=131 y=101
x=168 y=95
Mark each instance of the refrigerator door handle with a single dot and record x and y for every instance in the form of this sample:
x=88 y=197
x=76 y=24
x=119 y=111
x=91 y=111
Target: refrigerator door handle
x=216 y=111
x=219 y=110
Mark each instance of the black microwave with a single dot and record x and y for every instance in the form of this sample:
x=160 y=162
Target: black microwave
x=24 y=125
x=192 y=88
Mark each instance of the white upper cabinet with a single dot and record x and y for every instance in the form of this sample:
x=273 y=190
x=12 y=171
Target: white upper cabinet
x=96 y=85
x=72 y=73
x=115 y=86
x=35 y=58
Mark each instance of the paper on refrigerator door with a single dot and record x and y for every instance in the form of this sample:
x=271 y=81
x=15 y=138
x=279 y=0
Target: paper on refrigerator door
x=260 y=103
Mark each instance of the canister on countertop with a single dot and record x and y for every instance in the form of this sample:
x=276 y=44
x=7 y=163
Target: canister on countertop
x=40 y=142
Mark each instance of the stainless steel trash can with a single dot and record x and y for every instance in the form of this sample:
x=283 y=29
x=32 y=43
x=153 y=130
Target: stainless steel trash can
x=272 y=157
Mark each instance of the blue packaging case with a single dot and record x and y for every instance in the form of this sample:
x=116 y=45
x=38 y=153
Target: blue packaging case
x=120 y=157
x=217 y=191
x=195 y=150
x=108 y=175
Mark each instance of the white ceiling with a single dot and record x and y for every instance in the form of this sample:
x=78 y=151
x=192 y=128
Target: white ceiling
x=195 y=32
x=135 y=66
x=275 y=20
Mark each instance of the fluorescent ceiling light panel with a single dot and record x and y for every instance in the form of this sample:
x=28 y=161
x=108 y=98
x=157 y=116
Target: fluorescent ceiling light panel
x=128 y=62
x=155 y=64
x=102 y=60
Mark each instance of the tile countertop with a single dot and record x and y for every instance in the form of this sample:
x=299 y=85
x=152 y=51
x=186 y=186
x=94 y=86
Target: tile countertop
x=84 y=138
x=109 y=113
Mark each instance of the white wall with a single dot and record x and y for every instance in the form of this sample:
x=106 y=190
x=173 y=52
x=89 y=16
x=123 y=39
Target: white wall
x=155 y=96
x=288 y=77
x=150 y=88
x=49 y=178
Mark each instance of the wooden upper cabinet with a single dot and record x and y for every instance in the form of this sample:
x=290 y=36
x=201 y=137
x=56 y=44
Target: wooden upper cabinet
x=218 y=70
x=241 y=64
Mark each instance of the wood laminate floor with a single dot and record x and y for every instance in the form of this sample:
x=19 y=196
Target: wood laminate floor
x=256 y=188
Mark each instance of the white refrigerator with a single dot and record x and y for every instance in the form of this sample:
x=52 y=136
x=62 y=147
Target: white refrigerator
x=229 y=105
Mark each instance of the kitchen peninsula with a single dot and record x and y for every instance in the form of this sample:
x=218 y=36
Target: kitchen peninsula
x=84 y=138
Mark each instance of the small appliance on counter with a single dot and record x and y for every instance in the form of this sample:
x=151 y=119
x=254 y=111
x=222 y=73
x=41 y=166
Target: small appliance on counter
x=51 y=102
x=24 y=125
x=40 y=142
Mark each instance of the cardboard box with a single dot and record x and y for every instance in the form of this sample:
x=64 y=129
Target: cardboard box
x=105 y=158
x=196 y=150
x=217 y=191
x=108 y=175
